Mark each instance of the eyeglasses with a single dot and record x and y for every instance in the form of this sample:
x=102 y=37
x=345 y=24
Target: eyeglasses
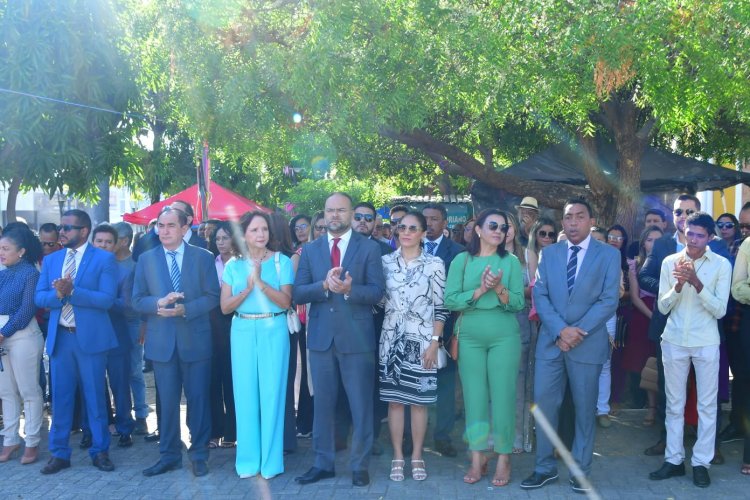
x=301 y=227
x=403 y=228
x=546 y=234
x=744 y=226
x=494 y=226
x=321 y=229
x=394 y=222
x=50 y=244
x=729 y=225
x=612 y=237
x=69 y=227
x=366 y=217
x=678 y=212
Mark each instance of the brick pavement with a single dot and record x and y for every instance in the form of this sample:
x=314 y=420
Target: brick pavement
x=620 y=471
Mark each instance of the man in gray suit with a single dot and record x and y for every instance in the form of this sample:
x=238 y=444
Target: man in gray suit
x=341 y=277
x=576 y=292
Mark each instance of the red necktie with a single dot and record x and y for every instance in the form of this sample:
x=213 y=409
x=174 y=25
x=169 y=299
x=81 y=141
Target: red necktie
x=335 y=253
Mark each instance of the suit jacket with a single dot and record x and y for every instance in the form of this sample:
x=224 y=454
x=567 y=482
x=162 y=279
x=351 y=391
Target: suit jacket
x=94 y=292
x=648 y=277
x=591 y=303
x=151 y=240
x=447 y=251
x=191 y=335
x=331 y=318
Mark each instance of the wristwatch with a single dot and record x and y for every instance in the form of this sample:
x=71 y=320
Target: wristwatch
x=435 y=338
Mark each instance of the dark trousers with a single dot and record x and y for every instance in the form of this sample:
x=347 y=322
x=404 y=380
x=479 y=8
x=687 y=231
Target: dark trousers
x=290 y=423
x=223 y=419
x=445 y=409
x=118 y=372
x=305 y=401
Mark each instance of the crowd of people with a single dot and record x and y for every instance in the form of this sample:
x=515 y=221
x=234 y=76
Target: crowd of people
x=377 y=319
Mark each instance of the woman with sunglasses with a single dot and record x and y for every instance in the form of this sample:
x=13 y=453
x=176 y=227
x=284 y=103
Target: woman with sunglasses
x=317 y=226
x=543 y=233
x=22 y=341
x=412 y=329
x=729 y=231
x=299 y=227
x=485 y=284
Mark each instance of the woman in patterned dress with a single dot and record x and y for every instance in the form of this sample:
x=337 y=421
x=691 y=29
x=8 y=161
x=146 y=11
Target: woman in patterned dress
x=414 y=318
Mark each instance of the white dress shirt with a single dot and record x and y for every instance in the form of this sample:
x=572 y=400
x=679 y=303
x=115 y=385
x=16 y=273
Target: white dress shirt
x=180 y=253
x=343 y=243
x=584 y=246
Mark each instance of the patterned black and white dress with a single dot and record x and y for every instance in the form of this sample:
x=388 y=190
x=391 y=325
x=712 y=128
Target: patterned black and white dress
x=413 y=302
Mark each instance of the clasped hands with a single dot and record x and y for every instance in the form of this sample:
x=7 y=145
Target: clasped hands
x=335 y=284
x=167 y=300
x=570 y=337
x=491 y=281
x=684 y=272
x=63 y=286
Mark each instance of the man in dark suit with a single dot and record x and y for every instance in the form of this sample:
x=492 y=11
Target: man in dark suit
x=341 y=277
x=445 y=248
x=78 y=285
x=648 y=280
x=576 y=293
x=151 y=239
x=178 y=336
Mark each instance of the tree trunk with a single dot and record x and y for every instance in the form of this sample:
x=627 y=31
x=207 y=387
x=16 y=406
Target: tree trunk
x=101 y=209
x=13 y=189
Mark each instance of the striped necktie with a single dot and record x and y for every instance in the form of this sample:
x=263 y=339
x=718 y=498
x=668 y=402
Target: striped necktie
x=174 y=272
x=572 y=266
x=430 y=247
x=70 y=271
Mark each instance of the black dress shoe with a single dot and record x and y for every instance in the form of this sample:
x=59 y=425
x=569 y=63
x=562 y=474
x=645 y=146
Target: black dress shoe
x=161 y=468
x=730 y=433
x=360 y=478
x=102 y=462
x=667 y=470
x=314 y=475
x=537 y=480
x=578 y=487
x=85 y=441
x=55 y=465
x=657 y=449
x=445 y=448
x=152 y=437
x=700 y=477
x=200 y=468
x=141 y=428
x=125 y=441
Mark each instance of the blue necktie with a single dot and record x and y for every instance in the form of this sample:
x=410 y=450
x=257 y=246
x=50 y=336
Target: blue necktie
x=174 y=272
x=572 y=265
x=430 y=247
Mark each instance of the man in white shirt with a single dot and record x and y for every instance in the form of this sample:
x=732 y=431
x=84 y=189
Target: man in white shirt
x=694 y=290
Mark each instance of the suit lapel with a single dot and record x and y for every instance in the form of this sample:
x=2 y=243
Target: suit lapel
x=85 y=260
x=588 y=262
x=351 y=249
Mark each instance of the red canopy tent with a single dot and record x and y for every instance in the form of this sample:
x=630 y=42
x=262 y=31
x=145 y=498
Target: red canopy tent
x=223 y=204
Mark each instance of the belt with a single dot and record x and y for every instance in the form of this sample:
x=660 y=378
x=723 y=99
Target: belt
x=258 y=316
x=69 y=329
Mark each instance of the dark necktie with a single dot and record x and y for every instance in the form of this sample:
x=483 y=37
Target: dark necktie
x=430 y=246
x=174 y=273
x=336 y=253
x=572 y=265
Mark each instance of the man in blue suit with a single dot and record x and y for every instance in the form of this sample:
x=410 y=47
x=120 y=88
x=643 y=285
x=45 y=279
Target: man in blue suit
x=178 y=336
x=341 y=277
x=78 y=285
x=576 y=292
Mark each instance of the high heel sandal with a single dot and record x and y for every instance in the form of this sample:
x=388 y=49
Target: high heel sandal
x=499 y=481
x=650 y=418
x=397 y=470
x=30 y=455
x=8 y=452
x=471 y=479
x=418 y=471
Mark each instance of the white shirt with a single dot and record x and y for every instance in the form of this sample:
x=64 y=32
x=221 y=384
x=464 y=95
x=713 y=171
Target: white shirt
x=584 y=246
x=180 y=253
x=693 y=315
x=437 y=243
x=343 y=243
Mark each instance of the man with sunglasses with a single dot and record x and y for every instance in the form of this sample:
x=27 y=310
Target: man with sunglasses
x=744 y=219
x=396 y=214
x=648 y=279
x=79 y=286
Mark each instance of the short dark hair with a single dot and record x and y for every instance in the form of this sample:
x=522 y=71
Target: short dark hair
x=437 y=206
x=49 y=227
x=580 y=201
x=367 y=205
x=228 y=228
x=702 y=219
x=248 y=217
x=600 y=230
x=188 y=207
x=657 y=212
x=473 y=246
x=398 y=208
x=105 y=227
x=181 y=215
x=81 y=216
x=124 y=231
x=746 y=206
x=690 y=197
x=293 y=222
x=24 y=238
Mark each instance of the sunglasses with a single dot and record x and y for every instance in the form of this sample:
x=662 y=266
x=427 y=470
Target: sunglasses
x=50 y=244
x=744 y=226
x=403 y=228
x=612 y=237
x=678 y=212
x=321 y=229
x=394 y=222
x=546 y=234
x=727 y=225
x=69 y=227
x=366 y=217
x=301 y=227
x=494 y=226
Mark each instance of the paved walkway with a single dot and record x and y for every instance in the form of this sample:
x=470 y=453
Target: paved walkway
x=620 y=471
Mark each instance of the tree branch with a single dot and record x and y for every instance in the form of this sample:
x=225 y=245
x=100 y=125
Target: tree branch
x=645 y=131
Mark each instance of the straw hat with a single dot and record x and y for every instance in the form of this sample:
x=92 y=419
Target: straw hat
x=528 y=202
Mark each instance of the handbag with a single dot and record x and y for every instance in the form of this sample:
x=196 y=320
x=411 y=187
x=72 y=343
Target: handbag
x=453 y=341
x=533 y=315
x=650 y=376
x=294 y=325
x=442 y=357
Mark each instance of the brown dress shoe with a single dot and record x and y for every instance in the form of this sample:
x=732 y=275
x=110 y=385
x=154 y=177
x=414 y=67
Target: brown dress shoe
x=8 y=452
x=30 y=455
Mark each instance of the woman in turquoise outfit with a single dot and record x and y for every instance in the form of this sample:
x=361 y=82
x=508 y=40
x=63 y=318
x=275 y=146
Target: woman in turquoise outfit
x=257 y=288
x=485 y=283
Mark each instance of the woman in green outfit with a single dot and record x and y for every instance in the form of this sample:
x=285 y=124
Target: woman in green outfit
x=485 y=283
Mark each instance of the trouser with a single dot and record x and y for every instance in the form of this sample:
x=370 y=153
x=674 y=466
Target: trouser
x=305 y=402
x=118 y=371
x=19 y=384
x=290 y=424
x=677 y=360
x=605 y=387
x=223 y=419
x=137 y=381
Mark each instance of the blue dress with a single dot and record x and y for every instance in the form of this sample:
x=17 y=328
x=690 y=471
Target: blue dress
x=260 y=359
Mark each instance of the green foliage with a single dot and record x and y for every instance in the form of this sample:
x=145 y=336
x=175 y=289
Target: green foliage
x=309 y=196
